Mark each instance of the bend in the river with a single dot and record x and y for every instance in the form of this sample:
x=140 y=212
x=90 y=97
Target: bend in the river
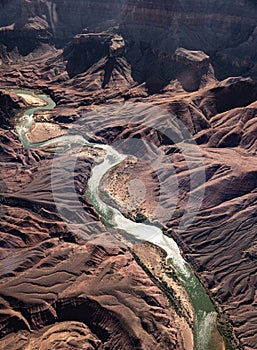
x=205 y=331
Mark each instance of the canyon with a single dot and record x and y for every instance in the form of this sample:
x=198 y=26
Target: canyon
x=182 y=76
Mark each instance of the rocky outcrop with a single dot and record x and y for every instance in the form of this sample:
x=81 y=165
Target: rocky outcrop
x=85 y=50
x=25 y=24
x=143 y=53
x=193 y=69
x=225 y=31
x=10 y=104
x=117 y=46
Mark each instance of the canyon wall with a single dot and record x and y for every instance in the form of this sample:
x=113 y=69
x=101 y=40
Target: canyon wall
x=224 y=30
x=86 y=54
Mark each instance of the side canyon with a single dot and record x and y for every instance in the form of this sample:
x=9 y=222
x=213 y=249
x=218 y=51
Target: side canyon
x=81 y=286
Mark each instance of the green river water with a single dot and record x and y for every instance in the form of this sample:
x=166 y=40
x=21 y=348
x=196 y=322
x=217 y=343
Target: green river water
x=205 y=325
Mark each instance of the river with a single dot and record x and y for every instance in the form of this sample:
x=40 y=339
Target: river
x=205 y=321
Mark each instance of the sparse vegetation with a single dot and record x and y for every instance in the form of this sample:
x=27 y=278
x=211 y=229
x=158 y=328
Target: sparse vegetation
x=226 y=330
x=140 y=217
x=167 y=291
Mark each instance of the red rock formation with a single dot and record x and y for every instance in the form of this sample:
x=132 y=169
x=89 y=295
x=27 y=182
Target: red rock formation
x=50 y=273
x=225 y=31
x=10 y=104
x=85 y=284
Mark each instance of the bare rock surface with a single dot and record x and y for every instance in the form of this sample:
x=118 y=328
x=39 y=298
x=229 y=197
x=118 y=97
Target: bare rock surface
x=54 y=274
x=64 y=278
x=10 y=104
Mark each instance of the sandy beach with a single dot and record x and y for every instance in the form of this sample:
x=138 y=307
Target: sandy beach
x=32 y=100
x=44 y=131
x=139 y=195
x=154 y=259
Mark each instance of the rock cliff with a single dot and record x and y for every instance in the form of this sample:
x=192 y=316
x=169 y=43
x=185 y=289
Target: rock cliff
x=10 y=104
x=225 y=31
x=180 y=56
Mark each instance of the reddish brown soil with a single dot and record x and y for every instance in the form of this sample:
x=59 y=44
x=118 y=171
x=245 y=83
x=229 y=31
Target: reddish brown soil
x=56 y=270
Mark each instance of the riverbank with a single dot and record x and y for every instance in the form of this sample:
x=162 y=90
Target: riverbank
x=32 y=100
x=137 y=198
x=202 y=317
x=153 y=260
x=40 y=132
